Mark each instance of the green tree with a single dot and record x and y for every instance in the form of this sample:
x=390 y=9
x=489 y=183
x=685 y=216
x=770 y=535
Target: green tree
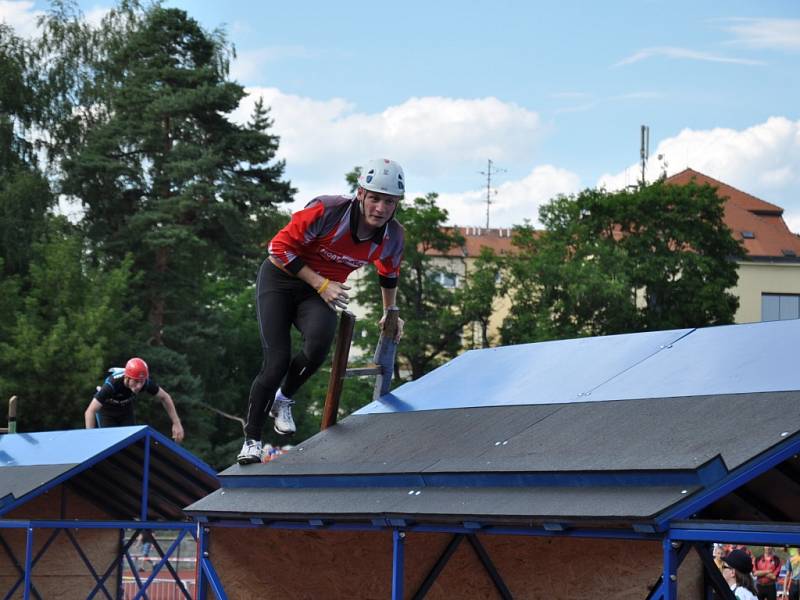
x=56 y=347
x=658 y=257
x=167 y=175
x=476 y=296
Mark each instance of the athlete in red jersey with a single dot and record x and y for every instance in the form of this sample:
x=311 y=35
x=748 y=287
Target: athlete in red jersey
x=303 y=282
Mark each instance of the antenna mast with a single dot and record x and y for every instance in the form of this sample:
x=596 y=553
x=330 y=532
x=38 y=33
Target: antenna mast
x=644 y=151
x=489 y=191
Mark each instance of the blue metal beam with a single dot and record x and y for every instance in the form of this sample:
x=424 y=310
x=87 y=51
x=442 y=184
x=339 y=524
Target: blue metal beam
x=670 y=580
x=145 y=479
x=26 y=594
x=378 y=525
x=157 y=567
x=398 y=559
x=212 y=578
x=712 y=471
x=740 y=476
x=769 y=534
x=67 y=524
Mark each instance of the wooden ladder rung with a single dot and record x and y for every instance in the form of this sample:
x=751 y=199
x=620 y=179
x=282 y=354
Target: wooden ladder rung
x=364 y=371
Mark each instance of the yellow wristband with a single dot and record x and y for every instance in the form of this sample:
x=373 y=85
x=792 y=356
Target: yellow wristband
x=324 y=286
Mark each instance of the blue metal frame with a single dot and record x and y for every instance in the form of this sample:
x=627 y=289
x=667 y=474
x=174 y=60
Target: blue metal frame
x=707 y=474
x=206 y=574
x=147 y=437
x=737 y=478
x=33 y=562
x=398 y=560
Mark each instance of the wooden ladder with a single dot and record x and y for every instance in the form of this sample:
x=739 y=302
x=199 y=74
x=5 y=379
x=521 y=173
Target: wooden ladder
x=382 y=366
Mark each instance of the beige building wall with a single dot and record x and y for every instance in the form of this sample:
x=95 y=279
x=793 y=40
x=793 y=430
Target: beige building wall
x=757 y=278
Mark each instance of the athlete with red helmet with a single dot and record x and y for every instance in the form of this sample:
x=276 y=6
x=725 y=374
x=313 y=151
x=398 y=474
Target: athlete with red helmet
x=112 y=404
x=302 y=282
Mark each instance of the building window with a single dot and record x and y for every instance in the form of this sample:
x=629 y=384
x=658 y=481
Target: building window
x=446 y=279
x=779 y=307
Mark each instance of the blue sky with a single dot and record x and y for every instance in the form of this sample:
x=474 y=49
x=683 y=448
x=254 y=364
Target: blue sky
x=552 y=92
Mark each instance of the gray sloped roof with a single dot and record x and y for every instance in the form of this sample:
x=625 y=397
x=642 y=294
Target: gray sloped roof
x=429 y=454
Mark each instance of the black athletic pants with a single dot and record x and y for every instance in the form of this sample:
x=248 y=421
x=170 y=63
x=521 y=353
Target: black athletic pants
x=767 y=592
x=283 y=300
x=108 y=417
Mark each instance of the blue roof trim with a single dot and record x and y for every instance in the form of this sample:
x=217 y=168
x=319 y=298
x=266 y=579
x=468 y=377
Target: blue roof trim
x=62 y=447
x=735 y=479
x=183 y=453
x=692 y=479
x=736 y=533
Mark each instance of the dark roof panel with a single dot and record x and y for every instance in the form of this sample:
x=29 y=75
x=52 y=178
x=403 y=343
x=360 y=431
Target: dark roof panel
x=632 y=435
x=442 y=504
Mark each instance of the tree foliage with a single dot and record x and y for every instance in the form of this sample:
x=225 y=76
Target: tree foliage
x=433 y=324
x=659 y=257
x=57 y=343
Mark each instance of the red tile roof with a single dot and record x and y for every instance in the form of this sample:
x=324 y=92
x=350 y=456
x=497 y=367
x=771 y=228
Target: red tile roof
x=757 y=223
x=749 y=216
x=475 y=238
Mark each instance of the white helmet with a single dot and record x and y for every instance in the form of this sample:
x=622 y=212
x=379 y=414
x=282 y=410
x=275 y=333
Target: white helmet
x=384 y=176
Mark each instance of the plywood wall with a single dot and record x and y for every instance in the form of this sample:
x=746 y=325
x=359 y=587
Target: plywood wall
x=60 y=572
x=294 y=564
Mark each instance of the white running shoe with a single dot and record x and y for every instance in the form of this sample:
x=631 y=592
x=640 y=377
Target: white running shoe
x=281 y=411
x=251 y=452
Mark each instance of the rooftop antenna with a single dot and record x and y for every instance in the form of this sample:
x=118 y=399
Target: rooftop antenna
x=489 y=191
x=644 y=151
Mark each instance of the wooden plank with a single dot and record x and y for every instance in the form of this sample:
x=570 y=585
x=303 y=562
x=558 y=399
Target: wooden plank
x=347 y=322
x=385 y=353
x=364 y=371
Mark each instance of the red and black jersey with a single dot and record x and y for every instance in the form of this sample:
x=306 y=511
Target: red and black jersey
x=323 y=236
x=115 y=394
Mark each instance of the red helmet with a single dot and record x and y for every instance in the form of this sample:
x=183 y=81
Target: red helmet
x=136 y=368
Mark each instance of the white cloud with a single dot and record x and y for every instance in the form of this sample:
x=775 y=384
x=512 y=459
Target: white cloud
x=429 y=133
x=684 y=54
x=19 y=15
x=442 y=144
x=762 y=160
x=514 y=201
x=435 y=139
x=781 y=34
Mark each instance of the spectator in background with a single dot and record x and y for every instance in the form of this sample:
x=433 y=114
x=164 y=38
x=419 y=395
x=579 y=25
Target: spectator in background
x=791 y=584
x=145 y=546
x=767 y=568
x=736 y=572
x=718 y=552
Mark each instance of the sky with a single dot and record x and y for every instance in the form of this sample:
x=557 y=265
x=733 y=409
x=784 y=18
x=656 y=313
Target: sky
x=553 y=93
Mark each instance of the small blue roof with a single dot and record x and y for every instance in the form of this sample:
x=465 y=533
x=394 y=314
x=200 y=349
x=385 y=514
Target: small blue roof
x=106 y=463
x=62 y=447
x=731 y=359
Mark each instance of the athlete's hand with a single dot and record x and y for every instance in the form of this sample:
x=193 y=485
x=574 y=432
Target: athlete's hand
x=336 y=295
x=400 y=324
x=177 y=432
